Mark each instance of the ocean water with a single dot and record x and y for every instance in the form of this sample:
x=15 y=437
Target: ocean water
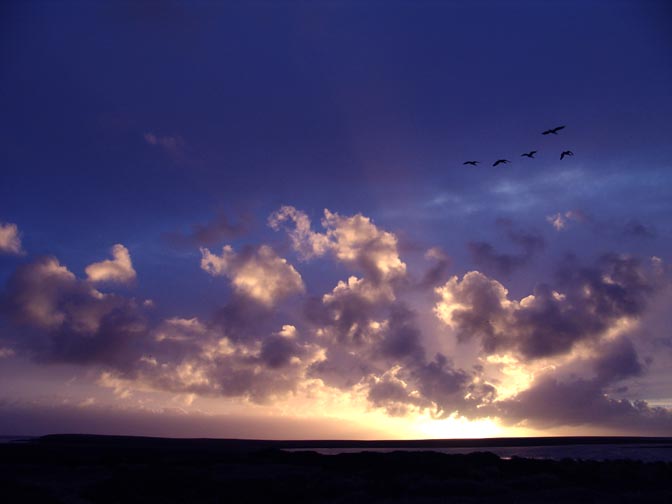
x=641 y=452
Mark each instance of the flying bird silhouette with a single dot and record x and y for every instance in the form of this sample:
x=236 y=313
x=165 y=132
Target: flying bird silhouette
x=472 y=163
x=501 y=161
x=566 y=153
x=553 y=130
x=529 y=154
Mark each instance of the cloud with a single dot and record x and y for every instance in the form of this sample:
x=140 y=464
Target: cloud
x=304 y=241
x=57 y=317
x=572 y=340
x=65 y=319
x=561 y=220
x=117 y=270
x=587 y=303
x=199 y=359
x=437 y=273
x=256 y=273
x=617 y=360
x=553 y=403
x=212 y=233
x=373 y=342
x=369 y=339
x=10 y=239
x=354 y=240
x=485 y=256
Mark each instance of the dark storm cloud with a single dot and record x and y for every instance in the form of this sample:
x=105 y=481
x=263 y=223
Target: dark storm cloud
x=220 y=229
x=588 y=301
x=490 y=260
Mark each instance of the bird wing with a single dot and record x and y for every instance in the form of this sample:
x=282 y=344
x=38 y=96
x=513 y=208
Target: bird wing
x=558 y=128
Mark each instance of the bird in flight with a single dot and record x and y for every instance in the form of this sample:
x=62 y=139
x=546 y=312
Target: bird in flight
x=529 y=154
x=553 y=130
x=566 y=153
x=472 y=163
x=501 y=161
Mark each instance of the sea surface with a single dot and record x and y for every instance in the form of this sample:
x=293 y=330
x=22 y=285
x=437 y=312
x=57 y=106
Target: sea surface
x=641 y=452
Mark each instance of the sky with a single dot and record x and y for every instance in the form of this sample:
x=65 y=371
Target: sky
x=253 y=219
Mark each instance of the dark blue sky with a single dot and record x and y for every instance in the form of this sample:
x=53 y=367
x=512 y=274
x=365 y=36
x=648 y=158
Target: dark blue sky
x=138 y=122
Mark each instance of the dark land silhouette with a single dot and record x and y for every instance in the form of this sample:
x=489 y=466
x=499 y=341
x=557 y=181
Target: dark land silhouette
x=110 y=469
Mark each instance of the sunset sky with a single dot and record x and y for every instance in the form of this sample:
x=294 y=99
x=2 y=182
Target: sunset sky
x=252 y=219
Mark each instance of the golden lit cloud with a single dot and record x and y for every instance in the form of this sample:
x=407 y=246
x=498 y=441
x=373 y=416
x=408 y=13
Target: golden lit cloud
x=119 y=269
x=261 y=274
x=10 y=239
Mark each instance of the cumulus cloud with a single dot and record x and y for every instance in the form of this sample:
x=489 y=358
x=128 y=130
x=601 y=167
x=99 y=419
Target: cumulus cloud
x=10 y=239
x=306 y=242
x=374 y=343
x=57 y=317
x=363 y=336
x=370 y=339
x=354 y=240
x=587 y=303
x=199 y=359
x=119 y=269
x=258 y=273
x=66 y=319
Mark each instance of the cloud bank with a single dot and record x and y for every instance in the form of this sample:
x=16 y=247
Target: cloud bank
x=564 y=355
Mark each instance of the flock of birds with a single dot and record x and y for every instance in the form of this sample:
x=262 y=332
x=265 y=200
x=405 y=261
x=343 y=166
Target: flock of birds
x=552 y=131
